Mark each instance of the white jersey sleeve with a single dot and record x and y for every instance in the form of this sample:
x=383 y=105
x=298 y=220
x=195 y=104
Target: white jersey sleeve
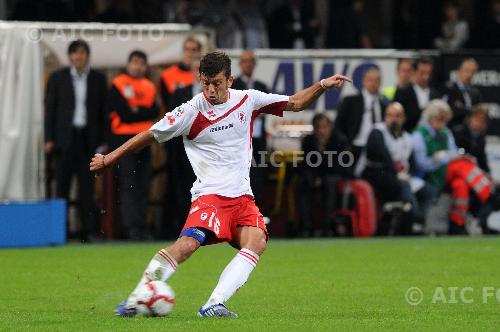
x=268 y=103
x=175 y=123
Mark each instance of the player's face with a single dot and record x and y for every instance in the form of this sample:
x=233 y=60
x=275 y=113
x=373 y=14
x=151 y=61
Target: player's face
x=79 y=58
x=215 y=88
x=405 y=72
x=136 y=67
x=423 y=74
x=467 y=71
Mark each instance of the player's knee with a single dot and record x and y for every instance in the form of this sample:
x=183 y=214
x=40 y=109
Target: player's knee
x=183 y=248
x=189 y=245
x=258 y=244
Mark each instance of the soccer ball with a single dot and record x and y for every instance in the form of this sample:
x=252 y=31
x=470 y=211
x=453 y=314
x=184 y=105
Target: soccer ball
x=155 y=298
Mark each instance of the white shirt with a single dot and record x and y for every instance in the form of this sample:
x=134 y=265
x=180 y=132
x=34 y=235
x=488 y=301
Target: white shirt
x=399 y=148
x=367 y=121
x=217 y=138
x=423 y=95
x=465 y=93
x=80 y=89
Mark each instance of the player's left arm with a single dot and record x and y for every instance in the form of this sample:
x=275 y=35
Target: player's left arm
x=302 y=99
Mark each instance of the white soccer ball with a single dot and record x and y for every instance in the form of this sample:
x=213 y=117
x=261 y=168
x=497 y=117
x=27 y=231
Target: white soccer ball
x=155 y=298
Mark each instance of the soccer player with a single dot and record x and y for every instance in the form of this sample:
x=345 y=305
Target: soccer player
x=216 y=129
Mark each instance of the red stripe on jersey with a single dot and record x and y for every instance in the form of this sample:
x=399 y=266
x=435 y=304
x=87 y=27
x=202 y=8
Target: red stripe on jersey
x=201 y=122
x=276 y=108
x=249 y=257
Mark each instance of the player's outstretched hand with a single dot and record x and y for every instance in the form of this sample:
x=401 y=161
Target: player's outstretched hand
x=335 y=81
x=97 y=164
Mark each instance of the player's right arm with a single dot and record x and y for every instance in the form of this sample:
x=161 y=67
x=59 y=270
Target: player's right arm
x=302 y=99
x=173 y=124
x=136 y=143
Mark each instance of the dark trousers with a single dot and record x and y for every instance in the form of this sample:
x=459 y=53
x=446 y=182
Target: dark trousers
x=76 y=160
x=421 y=200
x=134 y=173
x=329 y=195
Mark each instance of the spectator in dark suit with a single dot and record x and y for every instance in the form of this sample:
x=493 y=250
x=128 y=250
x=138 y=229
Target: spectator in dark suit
x=357 y=114
x=461 y=94
x=259 y=141
x=416 y=96
x=324 y=176
x=470 y=136
x=74 y=129
x=293 y=25
x=179 y=172
x=405 y=72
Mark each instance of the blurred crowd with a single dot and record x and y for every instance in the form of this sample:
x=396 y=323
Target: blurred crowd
x=418 y=152
x=249 y=24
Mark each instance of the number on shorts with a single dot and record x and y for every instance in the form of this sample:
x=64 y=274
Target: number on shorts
x=216 y=224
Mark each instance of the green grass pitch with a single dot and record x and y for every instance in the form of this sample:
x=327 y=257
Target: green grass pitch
x=316 y=285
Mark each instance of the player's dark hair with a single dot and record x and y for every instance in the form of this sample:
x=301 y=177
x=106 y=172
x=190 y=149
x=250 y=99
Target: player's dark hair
x=138 y=54
x=318 y=117
x=215 y=62
x=191 y=39
x=76 y=44
x=425 y=60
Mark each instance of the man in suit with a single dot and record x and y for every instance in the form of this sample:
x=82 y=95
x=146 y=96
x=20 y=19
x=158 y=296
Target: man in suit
x=405 y=72
x=461 y=95
x=470 y=135
x=357 y=114
x=259 y=142
x=180 y=174
x=74 y=129
x=416 y=96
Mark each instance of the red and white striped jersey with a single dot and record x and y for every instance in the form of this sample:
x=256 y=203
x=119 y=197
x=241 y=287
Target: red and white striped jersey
x=217 y=138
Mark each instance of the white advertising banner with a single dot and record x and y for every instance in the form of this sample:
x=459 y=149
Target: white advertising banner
x=111 y=43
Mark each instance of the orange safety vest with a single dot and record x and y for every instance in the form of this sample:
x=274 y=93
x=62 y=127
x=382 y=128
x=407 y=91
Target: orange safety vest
x=462 y=175
x=467 y=170
x=139 y=92
x=174 y=78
